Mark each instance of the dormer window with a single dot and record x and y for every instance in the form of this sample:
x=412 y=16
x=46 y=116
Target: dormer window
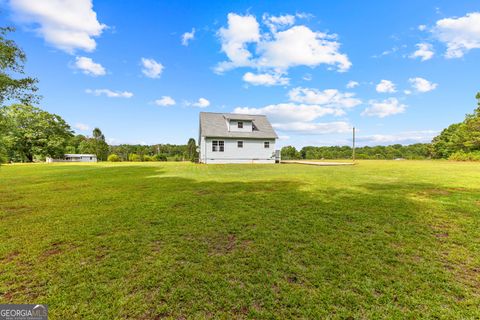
x=240 y=124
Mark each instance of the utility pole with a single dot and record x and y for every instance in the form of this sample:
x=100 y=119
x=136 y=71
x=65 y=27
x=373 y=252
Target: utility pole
x=353 y=148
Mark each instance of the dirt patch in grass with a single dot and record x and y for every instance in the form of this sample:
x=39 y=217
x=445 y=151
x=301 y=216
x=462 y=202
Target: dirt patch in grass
x=435 y=192
x=156 y=246
x=51 y=252
x=441 y=235
x=14 y=208
x=101 y=252
x=226 y=244
x=293 y=279
x=7 y=296
x=56 y=248
x=10 y=256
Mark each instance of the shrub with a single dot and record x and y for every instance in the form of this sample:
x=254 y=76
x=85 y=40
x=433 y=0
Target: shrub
x=465 y=156
x=160 y=157
x=177 y=157
x=148 y=158
x=134 y=157
x=113 y=158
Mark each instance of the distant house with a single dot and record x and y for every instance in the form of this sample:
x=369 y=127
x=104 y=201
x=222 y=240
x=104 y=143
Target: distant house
x=236 y=138
x=75 y=158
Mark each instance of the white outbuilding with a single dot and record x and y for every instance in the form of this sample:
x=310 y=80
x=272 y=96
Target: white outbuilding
x=236 y=138
x=74 y=157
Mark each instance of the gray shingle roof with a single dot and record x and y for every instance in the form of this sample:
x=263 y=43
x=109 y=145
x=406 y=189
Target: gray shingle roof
x=215 y=125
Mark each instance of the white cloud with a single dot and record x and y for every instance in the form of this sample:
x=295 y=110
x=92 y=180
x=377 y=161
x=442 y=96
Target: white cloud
x=407 y=92
x=460 y=35
x=301 y=46
x=328 y=97
x=278 y=22
x=422 y=27
x=201 y=103
x=82 y=126
x=165 y=101
x=352 y=84
x=109 y=93
x=291 y=112
x=385 y=86
x=314 y=128
x=422 y=85
x=68 y=25
x=387 y=52
x=424 y=51
x=151 y=68
x=88 y=66
x=278 y=50
x=187 y=37
x=306 y=106
x=307 y=77
x=384 y=108
x=241 y=30
x=265 y=79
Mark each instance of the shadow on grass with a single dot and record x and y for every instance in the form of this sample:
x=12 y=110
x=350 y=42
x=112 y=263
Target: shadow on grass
x=129 y=246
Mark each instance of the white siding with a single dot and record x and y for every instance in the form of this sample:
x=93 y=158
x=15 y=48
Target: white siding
x=253 y=151
x=233 y=126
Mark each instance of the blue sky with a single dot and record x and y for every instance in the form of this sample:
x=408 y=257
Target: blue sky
x=399 y=71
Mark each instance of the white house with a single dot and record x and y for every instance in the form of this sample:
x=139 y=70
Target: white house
x=236 y=138
x=75 y=158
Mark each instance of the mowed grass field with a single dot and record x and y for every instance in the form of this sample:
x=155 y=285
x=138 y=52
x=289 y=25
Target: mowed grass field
x=382 y=239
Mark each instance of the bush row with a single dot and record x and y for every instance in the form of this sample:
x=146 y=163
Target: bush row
x=136 y=158
x=465 y=156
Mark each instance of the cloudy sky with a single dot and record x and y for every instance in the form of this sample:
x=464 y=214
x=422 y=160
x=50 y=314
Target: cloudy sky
x=399 y=71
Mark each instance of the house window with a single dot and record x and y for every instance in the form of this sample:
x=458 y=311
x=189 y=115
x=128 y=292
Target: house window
x=240 y=124
x=218 y=146
x=266 y=144
x=239 y=144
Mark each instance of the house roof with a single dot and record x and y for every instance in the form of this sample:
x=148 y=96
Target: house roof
x=79 y=155
x=215 y=125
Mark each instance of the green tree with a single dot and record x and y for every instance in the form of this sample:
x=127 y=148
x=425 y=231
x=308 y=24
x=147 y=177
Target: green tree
x=113 y=158
x=74 y=143
x=101 y=147
x=289 y=153
x=12 y=60
x=29 y=131
x=134 y=157
x=461 y=137
x=95 y=145
x=192 y=153
x=448 y=141
x=472 y=128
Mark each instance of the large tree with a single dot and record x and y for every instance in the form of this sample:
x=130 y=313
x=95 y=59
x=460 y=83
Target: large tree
x=95 y=145
x=12 y=60
x=192 y=153
x=29 y=131
x=459 y=137
x=472 y=127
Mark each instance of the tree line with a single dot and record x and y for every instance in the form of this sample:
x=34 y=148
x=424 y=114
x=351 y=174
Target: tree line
x=413 y=152
x=28 y=133
x=460 y=141
x=31 y=134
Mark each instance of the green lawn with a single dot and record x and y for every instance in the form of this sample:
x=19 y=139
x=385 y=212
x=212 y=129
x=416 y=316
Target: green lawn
x=383 y=239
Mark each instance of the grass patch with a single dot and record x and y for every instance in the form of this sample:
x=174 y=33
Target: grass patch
x=383 y=239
